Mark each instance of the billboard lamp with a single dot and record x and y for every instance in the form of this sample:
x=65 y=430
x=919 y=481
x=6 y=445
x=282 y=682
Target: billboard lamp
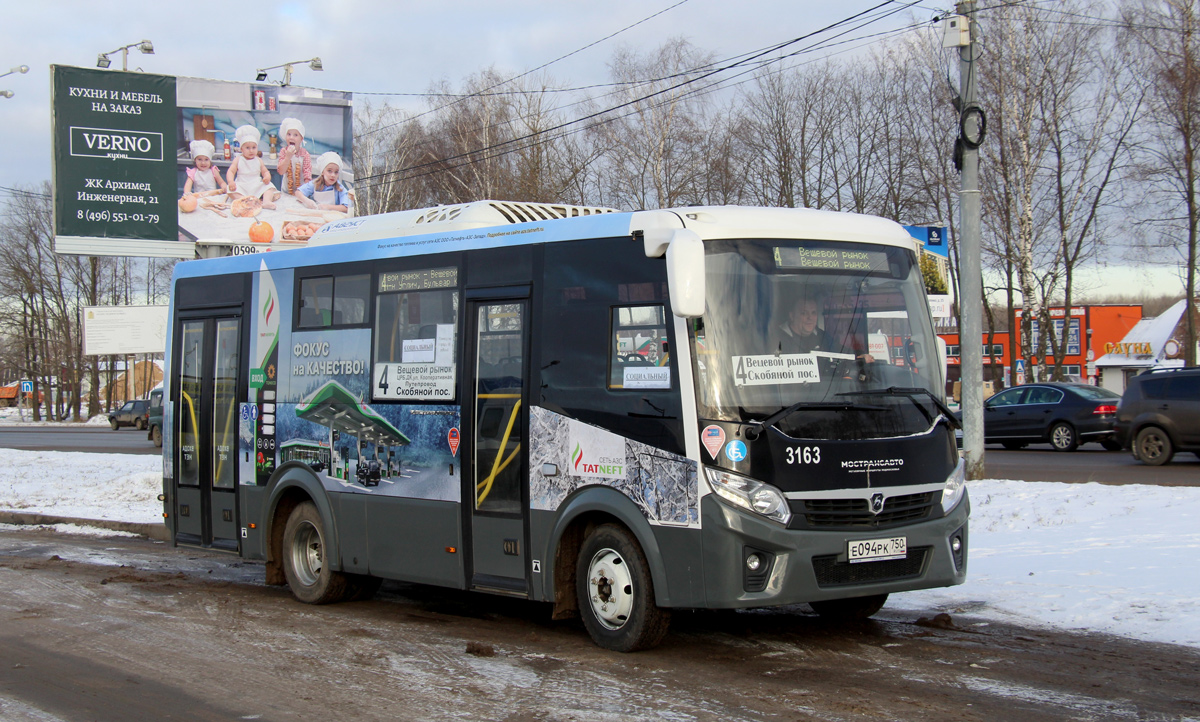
x=146 y=47
x=314 y=64
x=22 y=69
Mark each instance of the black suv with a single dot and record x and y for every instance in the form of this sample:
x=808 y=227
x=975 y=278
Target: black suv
x=1160 y=414
x=133 y=413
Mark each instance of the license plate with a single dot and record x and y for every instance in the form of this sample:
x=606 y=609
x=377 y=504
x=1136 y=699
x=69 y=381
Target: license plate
x=875 y=550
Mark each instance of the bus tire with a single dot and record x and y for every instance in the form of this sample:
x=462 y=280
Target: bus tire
x=304 y=564
x=844 y=610
x=616 y=593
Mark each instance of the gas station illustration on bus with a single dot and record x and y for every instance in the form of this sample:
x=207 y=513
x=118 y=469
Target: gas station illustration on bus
x=361 y=444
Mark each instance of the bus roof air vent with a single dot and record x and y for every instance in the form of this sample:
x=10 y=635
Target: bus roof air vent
x=460 y=216
x=515 y=212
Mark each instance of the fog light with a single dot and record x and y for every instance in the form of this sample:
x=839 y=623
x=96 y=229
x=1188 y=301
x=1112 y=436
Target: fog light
x=753 y=562
x=956 y=545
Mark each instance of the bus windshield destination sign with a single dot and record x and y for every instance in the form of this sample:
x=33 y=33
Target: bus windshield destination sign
x=423 y=280
x=817 y=258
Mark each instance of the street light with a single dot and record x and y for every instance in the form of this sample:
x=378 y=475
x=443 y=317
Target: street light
x=146 y=47
x=314 y=64
x=22 y=69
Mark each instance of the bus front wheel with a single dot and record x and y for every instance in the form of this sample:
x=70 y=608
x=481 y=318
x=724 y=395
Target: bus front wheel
x=616 y=593
x=304 y=559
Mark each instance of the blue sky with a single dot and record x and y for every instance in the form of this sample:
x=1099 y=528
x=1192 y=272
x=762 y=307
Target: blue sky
x=365 y=45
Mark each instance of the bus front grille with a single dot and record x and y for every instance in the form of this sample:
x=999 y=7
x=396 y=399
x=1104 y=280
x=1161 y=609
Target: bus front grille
x=856 y=513
x=832 y=573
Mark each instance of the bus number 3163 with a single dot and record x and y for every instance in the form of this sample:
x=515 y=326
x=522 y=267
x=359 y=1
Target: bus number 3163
x=804 y=455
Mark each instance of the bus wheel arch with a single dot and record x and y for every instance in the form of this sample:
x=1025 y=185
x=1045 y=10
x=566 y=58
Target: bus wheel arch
x=307 y=562
x=579 y=515
x=290 y=489
x=612 y=581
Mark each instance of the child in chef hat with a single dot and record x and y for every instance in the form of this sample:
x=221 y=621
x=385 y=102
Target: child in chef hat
x=203 y=176
x=295 y=164
x=326 y=191
x=248 y=175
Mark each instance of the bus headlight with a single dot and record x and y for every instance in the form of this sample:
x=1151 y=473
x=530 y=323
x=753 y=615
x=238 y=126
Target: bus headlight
x=956 y=486
x=755 y=496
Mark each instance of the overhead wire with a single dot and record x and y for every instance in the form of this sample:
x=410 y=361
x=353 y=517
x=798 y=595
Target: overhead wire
x=536 y=139
x=27 y=193
x=534 y=70
x=775 y=48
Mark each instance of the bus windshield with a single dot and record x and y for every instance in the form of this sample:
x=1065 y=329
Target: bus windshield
x=816 y=338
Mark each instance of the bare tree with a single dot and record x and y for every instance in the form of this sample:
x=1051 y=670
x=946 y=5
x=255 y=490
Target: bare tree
x=1164 y=41
x=386 y=142
x=653 y=145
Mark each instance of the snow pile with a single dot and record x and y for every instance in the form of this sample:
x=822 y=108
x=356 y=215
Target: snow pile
x=1117 y=559
x=118 y=487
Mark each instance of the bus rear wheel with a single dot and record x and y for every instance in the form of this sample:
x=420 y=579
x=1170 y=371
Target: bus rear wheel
x=843 y=610
x=305 y=565
x=616 y=593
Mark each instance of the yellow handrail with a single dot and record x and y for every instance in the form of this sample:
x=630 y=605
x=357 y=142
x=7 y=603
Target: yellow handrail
x=228 y=422
x=191 y=412
x=497 y=467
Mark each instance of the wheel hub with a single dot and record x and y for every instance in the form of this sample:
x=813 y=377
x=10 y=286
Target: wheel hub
x=307 y=554
x=611 y=589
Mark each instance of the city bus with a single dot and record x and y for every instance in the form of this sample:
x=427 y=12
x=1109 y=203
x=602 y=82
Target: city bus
x=601 y=410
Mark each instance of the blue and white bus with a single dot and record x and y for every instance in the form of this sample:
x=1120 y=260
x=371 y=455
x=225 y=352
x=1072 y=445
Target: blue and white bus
x=619 y=413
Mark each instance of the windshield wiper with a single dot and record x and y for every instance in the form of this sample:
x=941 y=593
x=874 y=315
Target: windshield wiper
x=911 y=392
x=756 y=427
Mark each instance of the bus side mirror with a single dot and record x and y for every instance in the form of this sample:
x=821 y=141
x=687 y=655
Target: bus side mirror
x=685 y=267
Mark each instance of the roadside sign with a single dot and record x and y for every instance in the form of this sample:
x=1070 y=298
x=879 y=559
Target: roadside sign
x=27 y=387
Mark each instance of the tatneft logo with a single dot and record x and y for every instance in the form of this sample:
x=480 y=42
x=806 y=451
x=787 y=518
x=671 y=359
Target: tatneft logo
x=595 y=452
x=268 y=307
x=338 y=226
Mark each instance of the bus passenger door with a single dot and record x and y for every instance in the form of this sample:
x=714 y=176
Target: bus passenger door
x=206 y=432
x=498 y=496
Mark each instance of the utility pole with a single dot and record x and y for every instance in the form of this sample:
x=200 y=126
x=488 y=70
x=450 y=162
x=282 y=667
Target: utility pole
x=972 y=126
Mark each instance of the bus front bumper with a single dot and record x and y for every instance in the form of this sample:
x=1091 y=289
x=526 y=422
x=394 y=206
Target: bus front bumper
x=796 y=566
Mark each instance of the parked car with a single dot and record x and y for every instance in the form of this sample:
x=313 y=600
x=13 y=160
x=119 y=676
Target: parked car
x=1063 y=414
x=154 y=417
x=1160 y=414
x=133 y=413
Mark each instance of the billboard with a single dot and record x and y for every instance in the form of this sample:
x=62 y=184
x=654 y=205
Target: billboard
x=123 y=152
x=120 y=330
x=113 y=183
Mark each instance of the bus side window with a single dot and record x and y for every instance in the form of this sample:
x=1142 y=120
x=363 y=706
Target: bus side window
x=639 y=348
x=333 y=301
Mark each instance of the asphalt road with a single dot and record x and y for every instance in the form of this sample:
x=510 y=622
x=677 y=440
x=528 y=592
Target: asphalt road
x=99 y=439
x=1037 y=462
x=113 y=630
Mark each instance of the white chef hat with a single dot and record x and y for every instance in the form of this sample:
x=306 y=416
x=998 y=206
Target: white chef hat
x=325 y=159
x=202 y=148
x=247 y=134
x=290 y=124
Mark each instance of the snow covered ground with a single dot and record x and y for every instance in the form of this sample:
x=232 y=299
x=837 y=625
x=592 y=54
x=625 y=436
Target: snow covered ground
x=1117 y=559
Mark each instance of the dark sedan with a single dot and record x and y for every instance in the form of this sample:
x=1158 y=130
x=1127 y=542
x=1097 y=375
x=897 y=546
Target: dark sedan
x=133 y=413
x=1065 y=415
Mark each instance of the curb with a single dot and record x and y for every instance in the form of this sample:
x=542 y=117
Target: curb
x=155 y=531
